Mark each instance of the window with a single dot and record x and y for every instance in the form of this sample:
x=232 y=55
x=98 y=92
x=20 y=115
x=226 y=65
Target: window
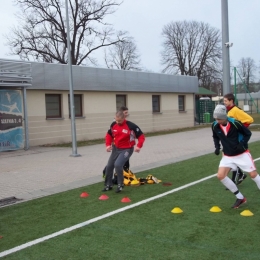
x=156 y=103
x=53 y=105
x=181 y=100
x=77 y=105
x=120 y=101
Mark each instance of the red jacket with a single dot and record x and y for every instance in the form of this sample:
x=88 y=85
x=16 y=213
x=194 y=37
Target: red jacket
x=124 y=135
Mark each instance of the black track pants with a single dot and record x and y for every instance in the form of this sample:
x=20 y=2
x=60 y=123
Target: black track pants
x=117 y=160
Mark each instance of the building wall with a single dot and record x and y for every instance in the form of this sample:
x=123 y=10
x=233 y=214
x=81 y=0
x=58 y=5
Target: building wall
x=98 y=113
x=253 y=106
x=252 y=100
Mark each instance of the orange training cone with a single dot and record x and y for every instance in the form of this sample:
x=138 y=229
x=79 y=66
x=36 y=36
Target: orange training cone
x=84 y=194
x=167 y=184
x=125 y=200
x=103 y=197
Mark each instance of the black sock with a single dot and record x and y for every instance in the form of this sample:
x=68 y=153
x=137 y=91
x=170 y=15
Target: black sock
x=234 y=174
x=240 y=173
x=126 y=166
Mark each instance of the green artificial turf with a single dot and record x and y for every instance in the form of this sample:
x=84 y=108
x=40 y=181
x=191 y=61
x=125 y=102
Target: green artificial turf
x=149 y=231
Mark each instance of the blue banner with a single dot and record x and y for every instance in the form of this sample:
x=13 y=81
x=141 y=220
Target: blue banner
x=11 y=121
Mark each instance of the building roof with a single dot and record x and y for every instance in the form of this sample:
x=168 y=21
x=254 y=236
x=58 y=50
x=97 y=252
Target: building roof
x=253 y=95
x=15 y=74
x=50 y=76
x=204 y=91
x=56 y=76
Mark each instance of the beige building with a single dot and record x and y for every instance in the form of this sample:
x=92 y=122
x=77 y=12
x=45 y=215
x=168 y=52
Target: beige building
x=155 y=101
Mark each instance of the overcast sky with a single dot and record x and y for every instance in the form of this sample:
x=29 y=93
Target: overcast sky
x=144 y=20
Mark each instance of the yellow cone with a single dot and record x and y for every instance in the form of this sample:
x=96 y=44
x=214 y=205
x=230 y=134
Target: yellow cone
x=177 y=210
x=246 y=213
x=135 y=182
x=215 y=209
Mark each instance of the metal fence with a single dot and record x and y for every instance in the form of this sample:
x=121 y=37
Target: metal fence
x=204 y=111
x=250 y=106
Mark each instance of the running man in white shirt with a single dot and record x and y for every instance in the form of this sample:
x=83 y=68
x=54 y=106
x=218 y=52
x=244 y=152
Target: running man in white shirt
x=233 y=136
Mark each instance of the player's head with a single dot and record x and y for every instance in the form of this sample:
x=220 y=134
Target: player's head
x=220 y=114
x=229 y=100
x=120 y=117
x=124 y=110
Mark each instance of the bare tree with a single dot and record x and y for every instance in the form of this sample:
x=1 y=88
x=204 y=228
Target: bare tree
x=41 y=35
x=123 y=55
x=211 y=79
x=258 y=67
x=190 y=48
x=247 y=68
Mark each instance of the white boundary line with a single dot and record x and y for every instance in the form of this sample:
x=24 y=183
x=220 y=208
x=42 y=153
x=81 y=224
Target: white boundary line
x=66 y=230
x=80 y=225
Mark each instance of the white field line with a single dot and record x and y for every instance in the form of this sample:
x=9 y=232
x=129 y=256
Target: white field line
x=66 y=230
x=80 y=225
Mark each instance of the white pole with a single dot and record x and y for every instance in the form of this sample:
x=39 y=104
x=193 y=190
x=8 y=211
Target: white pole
x=225 y=47
x=26 y=128
x=72 y=108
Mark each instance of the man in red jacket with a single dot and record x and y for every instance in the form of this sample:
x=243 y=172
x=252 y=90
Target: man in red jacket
x=127 y=164
x=122 y=134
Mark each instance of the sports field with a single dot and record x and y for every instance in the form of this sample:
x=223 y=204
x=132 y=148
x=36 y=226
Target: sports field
x=145 y=228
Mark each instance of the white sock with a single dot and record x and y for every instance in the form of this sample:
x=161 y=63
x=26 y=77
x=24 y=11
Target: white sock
x=228 y=183
x=239 y=195
x=257 y=181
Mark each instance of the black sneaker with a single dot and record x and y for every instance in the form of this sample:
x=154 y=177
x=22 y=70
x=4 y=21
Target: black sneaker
x=241 y=179
x=119 y=188
x=238 y=203
x=107 y=188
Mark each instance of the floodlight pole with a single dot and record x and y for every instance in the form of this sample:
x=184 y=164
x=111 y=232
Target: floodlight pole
x=235 y=85
x=225 y=47
x=72 y=108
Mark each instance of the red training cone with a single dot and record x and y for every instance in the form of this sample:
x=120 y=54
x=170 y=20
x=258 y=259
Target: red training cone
x=84 y=194
x=125 y=199
x=103 y=197
x=167 y=184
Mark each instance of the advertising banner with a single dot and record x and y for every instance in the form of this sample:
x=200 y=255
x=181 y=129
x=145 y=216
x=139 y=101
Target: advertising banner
x=11 y=120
